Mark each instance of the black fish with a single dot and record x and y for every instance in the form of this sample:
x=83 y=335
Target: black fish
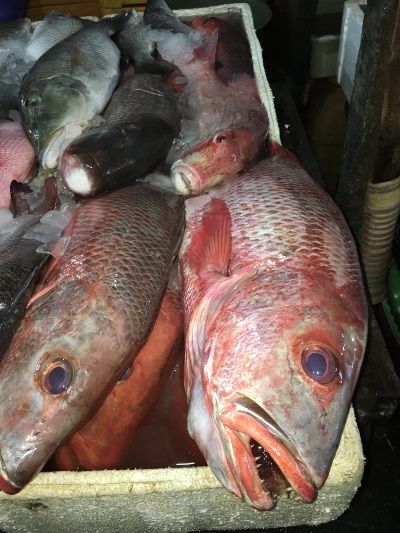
x=139 y=126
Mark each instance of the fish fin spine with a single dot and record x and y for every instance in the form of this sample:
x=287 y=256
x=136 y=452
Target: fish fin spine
x=210 y=249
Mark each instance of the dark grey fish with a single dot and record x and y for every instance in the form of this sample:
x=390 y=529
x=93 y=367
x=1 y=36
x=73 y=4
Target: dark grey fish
x=55 y=27
x=66 y=88
x=20 y=264
x=159 y=16
x=140 y=124
x=135 y=42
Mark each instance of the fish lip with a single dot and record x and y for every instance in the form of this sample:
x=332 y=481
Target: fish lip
x=6 y=485
x=185 y=178
x=245 y=417
x=56 y=137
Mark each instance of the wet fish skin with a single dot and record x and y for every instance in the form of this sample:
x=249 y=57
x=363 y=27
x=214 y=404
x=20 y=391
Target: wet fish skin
x=104 y=440
x=270 y=276
x=20 y=264
x=89 y=317
x=218 y=157
x=17 y=157
x=52 y=29
x=222 y=124
x=139 y=126
x=57 y=108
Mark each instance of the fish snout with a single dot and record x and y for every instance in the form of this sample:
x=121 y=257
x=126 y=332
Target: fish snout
x=185 y=178
x=6 y=484
x=75 y=173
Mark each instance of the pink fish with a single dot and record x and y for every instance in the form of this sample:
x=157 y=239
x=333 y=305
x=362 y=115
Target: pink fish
x=223 y=126
x=17 y=157
x=276 y=324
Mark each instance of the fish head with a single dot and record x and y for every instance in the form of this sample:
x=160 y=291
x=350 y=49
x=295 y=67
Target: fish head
x=53 y=362
x=282 y=354
x=53 y=115
x=214 y=159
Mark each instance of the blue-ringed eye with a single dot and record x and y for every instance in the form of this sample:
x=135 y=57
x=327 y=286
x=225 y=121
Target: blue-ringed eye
x=57 y=376
x=319 y=364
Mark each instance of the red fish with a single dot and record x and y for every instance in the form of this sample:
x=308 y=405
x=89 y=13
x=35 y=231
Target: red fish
x=233 y=55
x=17 y=157
x=276 y=324
x=85 y=323
x=103 y=441
x=162 y=440
x=223 y=125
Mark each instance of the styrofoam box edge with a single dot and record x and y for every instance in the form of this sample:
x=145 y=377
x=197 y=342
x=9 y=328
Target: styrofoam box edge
x=177 y=499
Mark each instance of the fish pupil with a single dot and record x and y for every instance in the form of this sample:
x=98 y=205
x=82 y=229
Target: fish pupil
x=317 y=364
x=58 y=377
x=220 y=139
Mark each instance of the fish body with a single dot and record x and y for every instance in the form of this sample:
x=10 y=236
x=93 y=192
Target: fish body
x=233 y=56
x=136 y=43
x=86 y=322
x=104 y=440
x=162 y=439
x=139 y=126
x=223 y=126
x=66 y=88
x=17 y=157
x=275 y=326
x=54 y=28
x=20 y=264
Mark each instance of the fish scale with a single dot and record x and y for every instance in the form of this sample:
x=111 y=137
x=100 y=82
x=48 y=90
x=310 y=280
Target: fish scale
x=17 y=157
x=270 y=276
x=94 y=308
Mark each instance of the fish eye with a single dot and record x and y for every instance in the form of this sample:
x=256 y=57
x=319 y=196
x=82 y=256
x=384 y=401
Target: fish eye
x=219 y=138
x=57 y=376
x=319 y=364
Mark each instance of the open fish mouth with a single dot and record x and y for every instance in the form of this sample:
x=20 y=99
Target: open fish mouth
x=265 y=463
x=6 y=484
x=185 y=178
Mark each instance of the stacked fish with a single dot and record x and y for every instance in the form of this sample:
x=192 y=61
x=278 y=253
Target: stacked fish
x=133 y=114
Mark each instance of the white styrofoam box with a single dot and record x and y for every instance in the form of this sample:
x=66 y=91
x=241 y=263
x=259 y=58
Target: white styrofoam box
x=178 y=499
x=350 y=40
x=324 y=55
